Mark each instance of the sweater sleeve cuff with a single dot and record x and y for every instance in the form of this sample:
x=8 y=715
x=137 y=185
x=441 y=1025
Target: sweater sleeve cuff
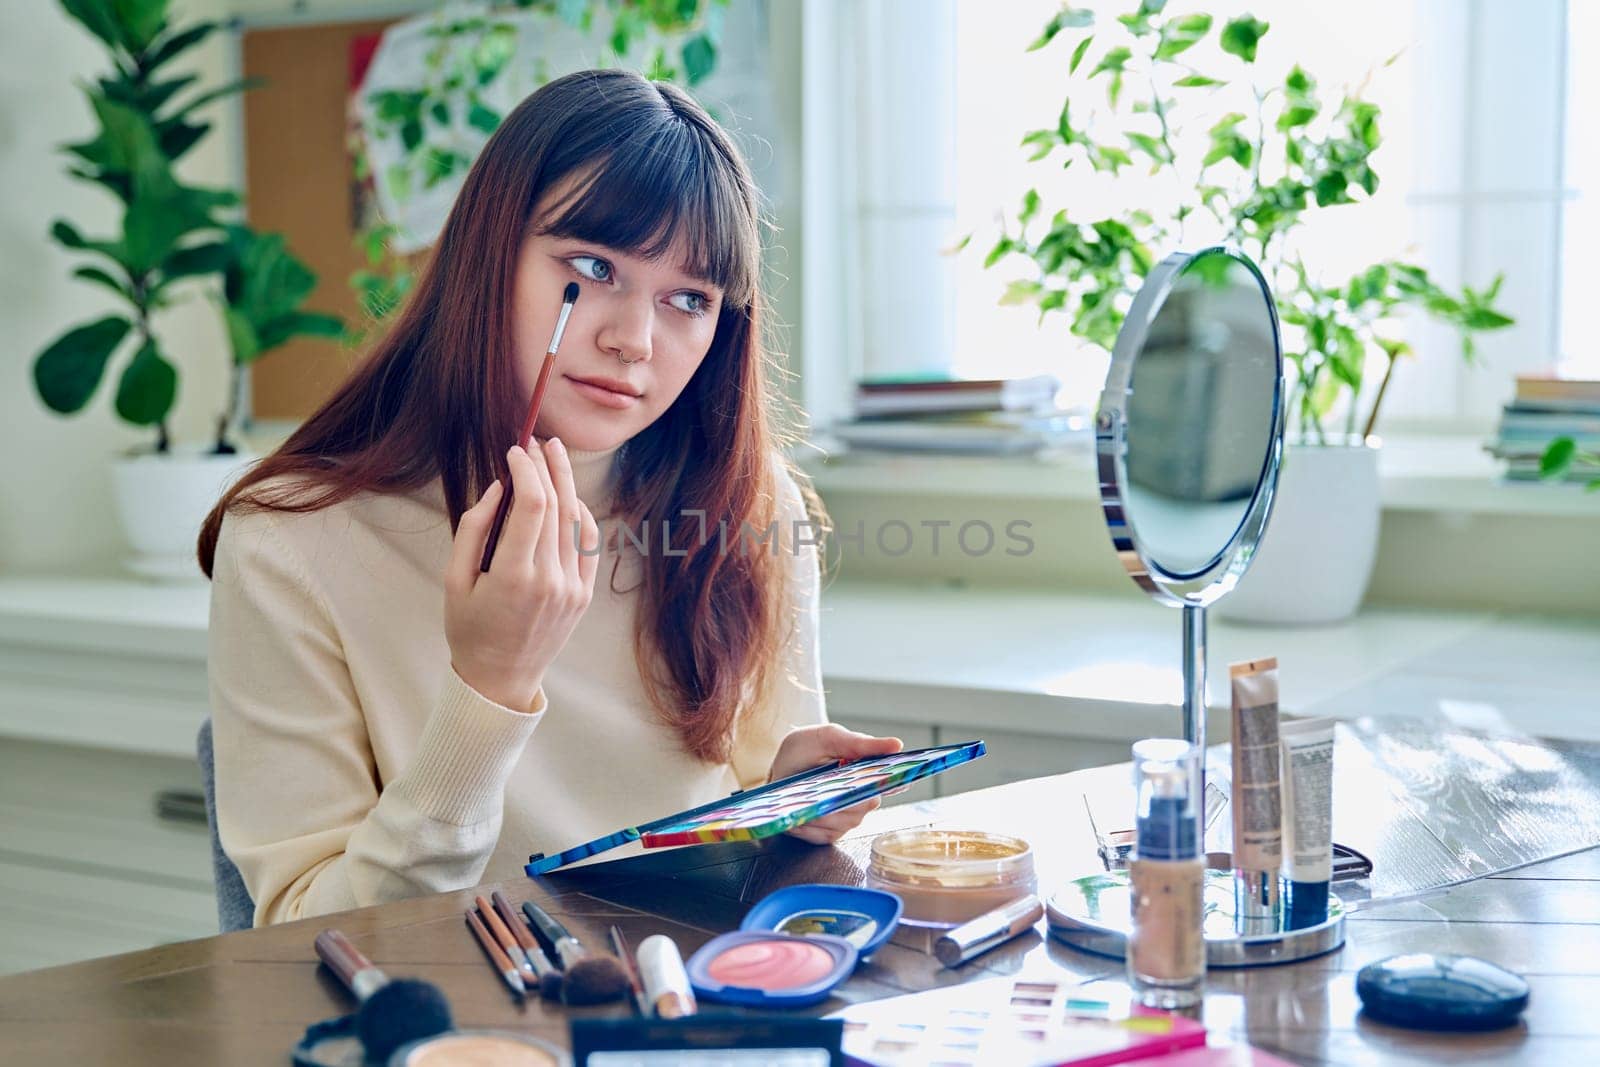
x=467 y=753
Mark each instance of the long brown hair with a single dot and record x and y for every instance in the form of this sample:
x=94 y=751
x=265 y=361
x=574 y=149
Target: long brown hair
x=438 y=396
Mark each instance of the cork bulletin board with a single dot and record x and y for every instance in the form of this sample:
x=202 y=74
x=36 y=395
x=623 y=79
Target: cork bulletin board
x=299 y=181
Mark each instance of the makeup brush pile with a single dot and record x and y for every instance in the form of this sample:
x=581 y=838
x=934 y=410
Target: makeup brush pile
x=553 y=964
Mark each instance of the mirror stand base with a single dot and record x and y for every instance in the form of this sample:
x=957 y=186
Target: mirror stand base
x=1092 y=914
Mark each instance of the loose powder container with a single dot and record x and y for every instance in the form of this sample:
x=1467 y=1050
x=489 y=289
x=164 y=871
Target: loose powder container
x=479 y=1048
x=946 y=877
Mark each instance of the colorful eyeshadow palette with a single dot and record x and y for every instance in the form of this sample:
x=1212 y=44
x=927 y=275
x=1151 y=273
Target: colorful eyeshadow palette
x=1015 y=1021
x=777 y=807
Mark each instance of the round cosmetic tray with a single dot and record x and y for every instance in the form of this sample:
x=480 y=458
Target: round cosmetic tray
x=1093 y=914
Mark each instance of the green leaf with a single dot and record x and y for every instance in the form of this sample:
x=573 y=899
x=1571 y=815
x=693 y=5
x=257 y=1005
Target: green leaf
x=1001 y=248
x=440 y=112
x=100 y=277
x=148 y=387
x=1115 y=60
x=198 y=259
x=482 y=118
x=69 y=370
x=67 y=236
x=699 y=58
x=1330 y=189
x=241 y=336
x=1241 y=36
x=491 y=54
x=1180 y=36
x=1078 y=53
x=1558 y=457
x=1481 y=318
x=232 y=88
x=1063 y=19
x=1030 y=206
x=1150 y=146
x=1296 y=116
x=97 y=17
x=1197 y=81
x=438 y=164
x=296 y=324
x=1020 y=292
x=177 y=43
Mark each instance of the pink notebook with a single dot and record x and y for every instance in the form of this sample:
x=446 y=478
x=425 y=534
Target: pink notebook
x=1020 y=1022
x=1221 y=1056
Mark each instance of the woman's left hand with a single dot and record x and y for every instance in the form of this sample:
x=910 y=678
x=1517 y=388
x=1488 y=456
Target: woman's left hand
x=812 y=746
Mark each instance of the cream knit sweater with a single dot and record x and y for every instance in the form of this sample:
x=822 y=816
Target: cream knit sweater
x=354 y=766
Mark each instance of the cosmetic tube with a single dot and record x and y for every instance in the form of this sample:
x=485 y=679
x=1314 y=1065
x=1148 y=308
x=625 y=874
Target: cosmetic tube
x=666 y=984
x=1166 y=946
x=1307 y=746
x=988 y=931
x=1257 y=800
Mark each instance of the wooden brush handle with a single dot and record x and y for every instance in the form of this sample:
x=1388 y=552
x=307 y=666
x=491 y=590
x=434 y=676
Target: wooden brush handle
x=518 y=928
x=504 y=508
x=497 y=926
x=358 y=973
x=491 y=947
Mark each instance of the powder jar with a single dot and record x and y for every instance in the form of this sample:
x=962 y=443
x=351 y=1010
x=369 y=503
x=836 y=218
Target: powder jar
x=947 y=877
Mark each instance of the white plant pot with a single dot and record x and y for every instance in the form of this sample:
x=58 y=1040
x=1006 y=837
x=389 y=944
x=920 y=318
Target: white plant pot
x=1316 y=556
x=163 y=499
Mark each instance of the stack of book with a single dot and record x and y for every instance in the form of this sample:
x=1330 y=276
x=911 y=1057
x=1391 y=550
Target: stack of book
x=999 y=416
x=1544 y=408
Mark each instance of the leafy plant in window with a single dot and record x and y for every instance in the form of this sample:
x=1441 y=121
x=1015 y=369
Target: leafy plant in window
x=1262 y=172
x=443 y=121
x=171 y=232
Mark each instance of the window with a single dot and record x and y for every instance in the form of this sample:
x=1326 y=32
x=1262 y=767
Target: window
x=1472 y=169
x=1581 y=205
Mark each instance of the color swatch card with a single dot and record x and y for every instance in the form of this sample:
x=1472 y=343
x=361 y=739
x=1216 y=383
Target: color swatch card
x=1015 y=1021
x=777 y=807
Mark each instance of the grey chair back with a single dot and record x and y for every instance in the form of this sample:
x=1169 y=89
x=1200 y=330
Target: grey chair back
x=235 y=909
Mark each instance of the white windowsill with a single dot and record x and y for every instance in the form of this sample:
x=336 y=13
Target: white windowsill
x=1441 y=473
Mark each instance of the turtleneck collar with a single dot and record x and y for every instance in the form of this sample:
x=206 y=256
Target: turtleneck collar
x=594 y=475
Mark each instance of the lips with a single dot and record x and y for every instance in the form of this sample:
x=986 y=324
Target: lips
x=610 y=384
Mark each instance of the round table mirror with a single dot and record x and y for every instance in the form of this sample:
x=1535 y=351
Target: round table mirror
x=1189 y=439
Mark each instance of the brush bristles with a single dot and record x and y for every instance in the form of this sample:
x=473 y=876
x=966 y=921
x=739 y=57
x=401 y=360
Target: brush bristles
x=595 y=980
x=550 y=983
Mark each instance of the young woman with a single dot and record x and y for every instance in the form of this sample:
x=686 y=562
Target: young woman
x=390 y=721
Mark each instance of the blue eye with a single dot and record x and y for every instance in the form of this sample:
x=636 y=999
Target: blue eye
x=600 y=272
x=697 y=303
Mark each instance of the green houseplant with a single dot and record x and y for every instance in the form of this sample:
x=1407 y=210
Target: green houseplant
x=421 y=136
x=1138 y=83
x=176 y=242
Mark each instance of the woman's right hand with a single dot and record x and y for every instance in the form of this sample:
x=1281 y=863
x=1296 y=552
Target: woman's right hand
x=506 y=625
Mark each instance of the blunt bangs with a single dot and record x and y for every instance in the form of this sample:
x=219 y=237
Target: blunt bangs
x=662 y=187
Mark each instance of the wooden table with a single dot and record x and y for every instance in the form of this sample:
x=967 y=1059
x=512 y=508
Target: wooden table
x=245 y=998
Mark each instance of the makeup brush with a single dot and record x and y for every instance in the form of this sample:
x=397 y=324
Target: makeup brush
x=568 y=298
x=619 y=948
x=392 y=1012
x=539 y=972
x=499 y=958
x=587 y=979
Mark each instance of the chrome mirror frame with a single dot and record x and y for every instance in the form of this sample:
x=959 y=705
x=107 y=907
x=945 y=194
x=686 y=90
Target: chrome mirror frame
x=1212 y=582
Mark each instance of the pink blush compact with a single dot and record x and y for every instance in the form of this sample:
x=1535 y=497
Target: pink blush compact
x=756 y=968
x=772 y=963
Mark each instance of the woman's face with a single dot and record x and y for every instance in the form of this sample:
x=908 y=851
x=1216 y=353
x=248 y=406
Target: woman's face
x=652 y=313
